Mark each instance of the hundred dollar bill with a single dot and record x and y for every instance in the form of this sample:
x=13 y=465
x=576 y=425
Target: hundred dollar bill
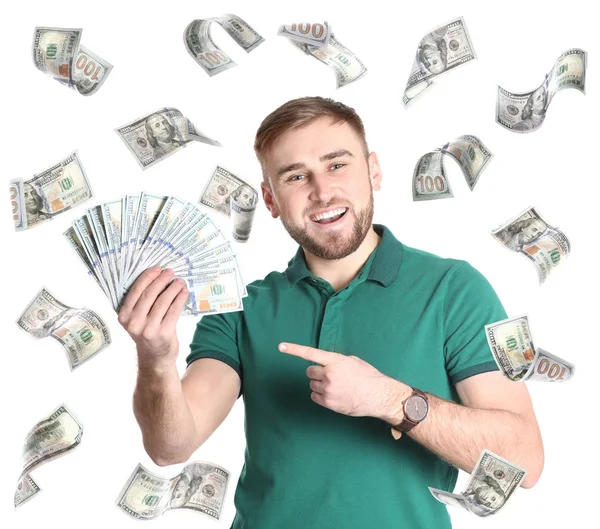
x=228 y=194
x=49 y=193
x=315 y=34
x=346 y=65
x=525 y=112
x=200 y=45
x=213 y=291
x=511 y=344
x=50 y=438
x=57 y=53
x=531 y=236
x=200 y=487
x=81 y=332
x=493 y=481
x=442 y=50
x=429 y=178
x=159 y=134
x=26 y=489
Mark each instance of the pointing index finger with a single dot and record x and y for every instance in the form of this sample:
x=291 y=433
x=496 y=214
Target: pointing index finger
x=308 y=353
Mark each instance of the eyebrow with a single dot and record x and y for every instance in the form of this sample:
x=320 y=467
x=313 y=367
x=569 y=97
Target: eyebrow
x=299 y=165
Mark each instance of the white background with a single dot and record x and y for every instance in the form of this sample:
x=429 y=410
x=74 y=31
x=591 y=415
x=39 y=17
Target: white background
x=554 y=169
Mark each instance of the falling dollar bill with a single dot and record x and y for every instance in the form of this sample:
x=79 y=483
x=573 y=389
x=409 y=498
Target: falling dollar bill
x=429 y=178
x=318 y=40
x=81 y=332
x=53 y=191
x=315 y=34
x=229 y=195
x=526 y=112
x=531 y=236
x=442 y=50
x=493 y=481
x=200 y=487
x=50 y=438
x=159 y=134
x=200 y=45
x=512 y=346
x=57 y=53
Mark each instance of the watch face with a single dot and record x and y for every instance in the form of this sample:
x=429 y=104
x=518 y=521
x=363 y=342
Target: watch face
x=416 y=408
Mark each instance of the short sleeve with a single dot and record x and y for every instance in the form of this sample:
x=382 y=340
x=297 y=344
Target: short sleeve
x=216 y=337
x=470 y=304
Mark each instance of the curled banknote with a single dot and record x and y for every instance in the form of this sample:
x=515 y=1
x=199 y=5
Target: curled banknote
x=57 y=53
x=318 y=40
x=200 y=487
x=512 y=346
x=45 y=195
x=200 y=45
x=50 y=438
x=81 y=332
x=442 y=50
x=533 y=237
x=525 y=112
x=229 y=195
x=493 y=481
x=429 y=177
x=159 y=134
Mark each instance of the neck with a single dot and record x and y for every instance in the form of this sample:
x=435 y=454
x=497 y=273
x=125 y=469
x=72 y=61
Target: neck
x=340 y=272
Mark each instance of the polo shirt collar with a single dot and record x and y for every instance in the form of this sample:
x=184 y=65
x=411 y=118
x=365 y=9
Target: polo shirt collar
x=384 y=268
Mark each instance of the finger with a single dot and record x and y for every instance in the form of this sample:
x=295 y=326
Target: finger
x=317 y=386
x=308 y=353
x=150 y=293
x=315 y=372
x=174 y=311
x=163 y=302
x=136 y=290
x=318 y=398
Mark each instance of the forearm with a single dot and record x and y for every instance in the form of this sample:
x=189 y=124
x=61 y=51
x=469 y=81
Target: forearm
x=458 y=434
x=164 y=417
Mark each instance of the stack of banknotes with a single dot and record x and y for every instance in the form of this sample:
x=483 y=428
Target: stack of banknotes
x=118 y=240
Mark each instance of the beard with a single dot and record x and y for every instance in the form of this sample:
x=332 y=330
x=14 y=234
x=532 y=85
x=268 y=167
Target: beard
x=333 y=246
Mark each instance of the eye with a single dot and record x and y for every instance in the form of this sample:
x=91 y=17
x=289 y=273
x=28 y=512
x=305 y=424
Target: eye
x=338 y=164
x=291 y=178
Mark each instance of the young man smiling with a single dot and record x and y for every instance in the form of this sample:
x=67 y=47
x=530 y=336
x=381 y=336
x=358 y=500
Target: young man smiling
x=359 y=331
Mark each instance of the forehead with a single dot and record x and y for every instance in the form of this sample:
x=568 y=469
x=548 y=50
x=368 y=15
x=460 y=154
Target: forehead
x=155 y=119
x=311 y=141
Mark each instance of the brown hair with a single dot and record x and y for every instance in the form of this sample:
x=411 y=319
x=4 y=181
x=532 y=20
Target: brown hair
x=298 y=113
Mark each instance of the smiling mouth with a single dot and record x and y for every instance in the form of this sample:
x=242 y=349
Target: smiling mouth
x=329 y=217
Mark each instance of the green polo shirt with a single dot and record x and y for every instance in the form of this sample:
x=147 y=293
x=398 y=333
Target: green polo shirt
x=414 y=316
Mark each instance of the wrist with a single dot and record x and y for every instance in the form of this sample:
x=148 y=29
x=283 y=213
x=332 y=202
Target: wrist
x=156 y=367
x=395 y=393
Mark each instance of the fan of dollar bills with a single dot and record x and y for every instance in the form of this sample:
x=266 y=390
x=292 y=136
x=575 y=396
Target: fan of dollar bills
x=118 y=240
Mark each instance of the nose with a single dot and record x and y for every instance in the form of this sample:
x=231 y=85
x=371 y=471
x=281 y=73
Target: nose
x=322 y=187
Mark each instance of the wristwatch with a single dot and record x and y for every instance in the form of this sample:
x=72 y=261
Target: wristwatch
x=415 y=407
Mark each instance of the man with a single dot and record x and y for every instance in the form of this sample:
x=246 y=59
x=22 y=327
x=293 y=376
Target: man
x=34 y=206
x=363 y=320
x=534 y=111
x=244 y=195
x=187 y=485
x=522 y=233
x=432 y=53
x=161 y=135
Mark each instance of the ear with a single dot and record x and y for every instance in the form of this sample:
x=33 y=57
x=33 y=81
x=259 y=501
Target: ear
x=374 y=171
x=269 y=199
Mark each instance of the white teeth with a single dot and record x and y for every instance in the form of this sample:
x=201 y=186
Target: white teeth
x=329 y=214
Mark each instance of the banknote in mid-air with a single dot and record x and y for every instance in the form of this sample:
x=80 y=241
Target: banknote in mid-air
x=229 y=195
x=200 y=487
x=445 y=48
x=81 y=332
x=429 y=177
x=493 y=481
x=525 y=112
x=50 y=438
x=159 y=134
x=45 y=195
x=533 y=237
x=200 y=45
x=58 y=53
x=512 y=346
x=118 y=240
x=317 y=39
